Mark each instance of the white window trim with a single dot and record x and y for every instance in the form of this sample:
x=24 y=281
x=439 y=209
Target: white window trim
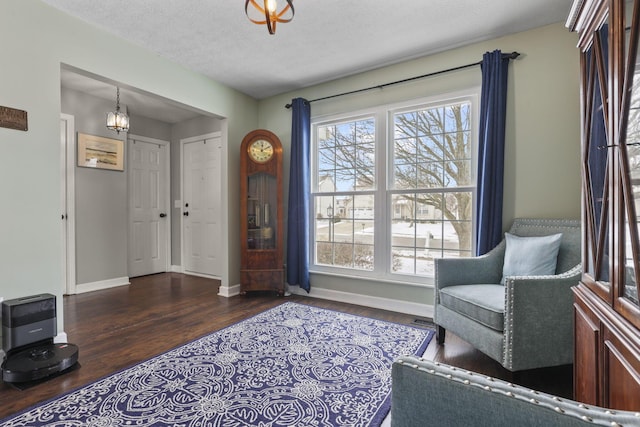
x=384 y=134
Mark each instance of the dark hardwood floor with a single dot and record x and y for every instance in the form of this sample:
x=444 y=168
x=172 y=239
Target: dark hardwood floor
x=119 y=327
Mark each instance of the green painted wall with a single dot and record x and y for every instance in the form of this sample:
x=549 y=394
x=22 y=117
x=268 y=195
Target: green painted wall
x=542 y=171
x=37 y=39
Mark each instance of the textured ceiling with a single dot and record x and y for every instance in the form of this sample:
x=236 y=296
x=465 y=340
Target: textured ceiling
x=327 y=39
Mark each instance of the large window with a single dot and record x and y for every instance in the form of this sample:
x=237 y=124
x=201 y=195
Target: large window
x=394 y=188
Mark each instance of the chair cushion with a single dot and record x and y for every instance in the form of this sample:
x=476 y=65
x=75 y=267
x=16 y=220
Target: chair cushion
x=530 y=256
x=482 y=303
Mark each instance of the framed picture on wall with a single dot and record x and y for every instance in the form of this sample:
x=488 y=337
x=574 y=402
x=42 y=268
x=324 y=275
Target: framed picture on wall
x=99 y=152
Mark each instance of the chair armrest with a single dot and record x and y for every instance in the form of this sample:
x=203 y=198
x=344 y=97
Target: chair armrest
x=429 y=393
x=539 y=319
x=486 y=268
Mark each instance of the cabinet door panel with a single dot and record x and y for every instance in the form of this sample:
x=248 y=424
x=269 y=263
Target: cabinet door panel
x=622 y=365
x=586 y=364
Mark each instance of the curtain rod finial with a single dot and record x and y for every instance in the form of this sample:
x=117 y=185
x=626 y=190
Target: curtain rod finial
x=288 y=106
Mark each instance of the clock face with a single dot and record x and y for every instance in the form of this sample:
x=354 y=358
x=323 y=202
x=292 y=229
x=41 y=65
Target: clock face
x=261 y=151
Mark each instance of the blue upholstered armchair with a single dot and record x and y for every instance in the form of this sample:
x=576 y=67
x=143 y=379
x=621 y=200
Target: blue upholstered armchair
x=522 y=321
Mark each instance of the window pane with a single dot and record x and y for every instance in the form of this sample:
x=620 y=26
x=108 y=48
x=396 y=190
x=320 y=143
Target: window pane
x=343 y=256
x=404 y=125
x=431 y=153
x=428 y=158
x=442 y=134
x=323 y=206
x=425 y=267
x=344 y=223
x=365 y=167
x=420 y=232
x=459 y=205
x=365 y=131
x=327 y=181
x=430 y=147
x=363 y=257
x=403 y=233
x=402 y=260
x=459 y=236
x=457 y=173
x=326 y=159
x=324 y=253
x=345 y=156
x=345 y=179
x=342 y=230
x=430 y=175
x=326 y=136
x=457 y=117
x=362 y=207
x=430 y=121
x=363 y=231
x=405 y=177
x=345 y=133
x=462 y=143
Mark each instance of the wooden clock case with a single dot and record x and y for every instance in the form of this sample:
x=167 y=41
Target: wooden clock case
x=261 y=217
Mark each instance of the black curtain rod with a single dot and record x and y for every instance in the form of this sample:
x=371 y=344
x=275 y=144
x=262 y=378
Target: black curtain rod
x=512 y=55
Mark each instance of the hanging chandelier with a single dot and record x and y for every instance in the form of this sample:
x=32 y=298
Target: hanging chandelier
x=117 y=120
x=268 y=11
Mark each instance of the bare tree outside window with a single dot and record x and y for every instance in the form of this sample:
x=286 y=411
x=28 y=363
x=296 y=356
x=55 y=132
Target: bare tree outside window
x=429 y=188
x=432 y=167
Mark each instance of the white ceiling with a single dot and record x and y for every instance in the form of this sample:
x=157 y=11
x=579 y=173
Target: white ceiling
x=327 y=39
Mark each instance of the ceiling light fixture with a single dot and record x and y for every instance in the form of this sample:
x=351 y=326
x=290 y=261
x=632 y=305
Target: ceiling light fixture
x=117 y=120
x=270 y=12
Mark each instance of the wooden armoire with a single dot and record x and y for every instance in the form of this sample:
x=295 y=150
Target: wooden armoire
x=606 y=308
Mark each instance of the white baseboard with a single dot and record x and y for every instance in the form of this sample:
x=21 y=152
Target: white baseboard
x=229 y=291
x=206 y=276
x=102 y=284
x=408 y=307
x=60 y=338
x=176 y=269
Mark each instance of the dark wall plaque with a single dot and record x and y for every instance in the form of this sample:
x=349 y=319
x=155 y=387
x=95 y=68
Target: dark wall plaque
x=12 y=118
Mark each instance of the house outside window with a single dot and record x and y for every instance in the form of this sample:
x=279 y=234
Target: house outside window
x=394 y=187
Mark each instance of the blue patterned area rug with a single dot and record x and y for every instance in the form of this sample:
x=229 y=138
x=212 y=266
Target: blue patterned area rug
x=292 y=365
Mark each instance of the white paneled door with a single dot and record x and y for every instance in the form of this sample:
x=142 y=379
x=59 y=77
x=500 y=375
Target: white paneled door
x=149 y=224
x=201 y=210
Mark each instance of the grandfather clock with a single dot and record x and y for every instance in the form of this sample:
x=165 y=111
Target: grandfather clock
x=261 y=216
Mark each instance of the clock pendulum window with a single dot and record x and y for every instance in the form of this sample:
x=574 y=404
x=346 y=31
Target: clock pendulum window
x=261 y=213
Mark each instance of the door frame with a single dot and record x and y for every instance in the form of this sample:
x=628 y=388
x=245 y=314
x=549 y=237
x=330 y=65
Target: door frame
x=166 y=188
x=67 y=203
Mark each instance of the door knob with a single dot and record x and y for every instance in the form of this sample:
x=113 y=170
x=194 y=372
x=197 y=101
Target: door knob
x=186 y=214
x=162 y=215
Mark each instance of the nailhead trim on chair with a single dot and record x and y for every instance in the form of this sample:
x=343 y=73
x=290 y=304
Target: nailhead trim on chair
x=507 y=344
x=517 y=393
x=547 y=223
